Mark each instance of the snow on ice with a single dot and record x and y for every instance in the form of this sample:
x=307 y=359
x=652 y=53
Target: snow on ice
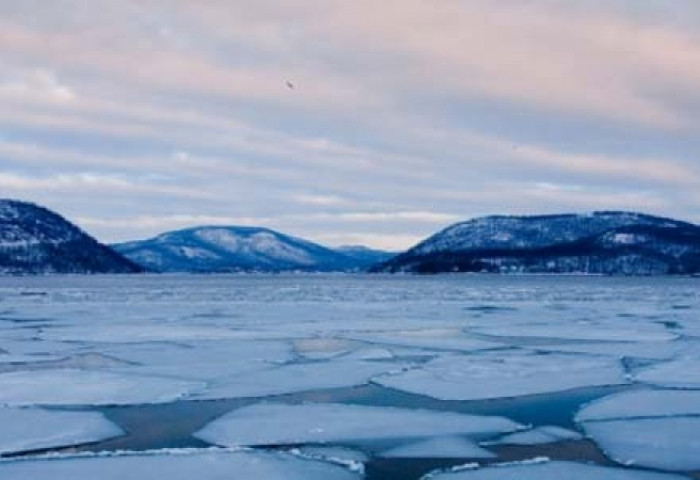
x=176 y=465
x=269 y=424
x=439 y=447
x=83 y=387
x=27 y=429
x=650 y=428
x=552 y=471
x=505 y=374
x=538 y=436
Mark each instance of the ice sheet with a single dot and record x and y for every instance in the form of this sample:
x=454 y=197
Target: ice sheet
x=296 y=378
x=139 y=333
x=175 y=465
x=663 y=443
x=642 y=403
x=593 y=331
x=8 y=359
x=321 y=348
x=647 y=350
x=270 y=424
x=33 y=347
x=553 y=471
x=538 y=436
x=439 y=447
x=332 y=453
x=201 y=360
x=681 y=373
x=504 y=374
x=26 y=429
x=83 y=387
x=432 y=339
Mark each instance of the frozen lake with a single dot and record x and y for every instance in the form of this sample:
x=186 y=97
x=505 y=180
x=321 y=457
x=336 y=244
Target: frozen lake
x=337 y=376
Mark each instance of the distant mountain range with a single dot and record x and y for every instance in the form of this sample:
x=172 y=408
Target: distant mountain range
x=616 y=243
x=237 y=249
x=35 y=240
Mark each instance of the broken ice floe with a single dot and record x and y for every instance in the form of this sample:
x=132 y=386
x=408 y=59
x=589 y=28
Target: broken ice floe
x=274 y=424
x=581 y=331
x=333 y=454
x=661 y=443
x=88 y=387
x=146 y=332
x=176 y=465
x=512 y=374
x=428 y=338
x=28 y=429
x=321 y=348
x=640 y=404
x=550 y=471
x=646 y=350
x=439 y=447
x=200 y=360
x=353 y=460
x=650 y=428
x=538 y=436
x=295 y=378
x=680 y=373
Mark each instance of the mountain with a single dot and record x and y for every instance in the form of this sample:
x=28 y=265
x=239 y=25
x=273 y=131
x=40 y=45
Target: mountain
x=616 y=243
x=235 y=249
x=363 y=256
x=36 y=240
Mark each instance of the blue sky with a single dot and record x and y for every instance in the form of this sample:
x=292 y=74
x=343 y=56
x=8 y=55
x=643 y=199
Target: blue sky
x=136 y=117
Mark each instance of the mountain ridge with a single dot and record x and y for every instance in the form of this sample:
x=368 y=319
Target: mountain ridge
x=218 y=249
x=603 y=242
x=36 y=240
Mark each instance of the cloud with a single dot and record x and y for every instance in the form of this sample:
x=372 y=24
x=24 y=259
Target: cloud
x=653 y=170
x=36 y=84
x=427 y=217
x=320 y=200
x=98 y=184
x=544 y=54
x=402 y=121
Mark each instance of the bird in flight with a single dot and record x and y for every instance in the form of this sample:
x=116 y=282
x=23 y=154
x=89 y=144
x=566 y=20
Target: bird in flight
x=290 y=85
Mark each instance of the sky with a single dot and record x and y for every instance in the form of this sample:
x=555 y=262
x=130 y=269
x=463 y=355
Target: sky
x=347 y=121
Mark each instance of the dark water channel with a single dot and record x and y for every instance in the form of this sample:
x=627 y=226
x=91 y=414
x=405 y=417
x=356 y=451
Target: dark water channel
x=151 y=427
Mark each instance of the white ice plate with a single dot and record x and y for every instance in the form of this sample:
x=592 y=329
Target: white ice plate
x=432 y=339
x=642 y=403
x=681 y=373
x=88 y=387
x=538 y=436
x=582 y=331
x=176 y=465
x=296 y=378
x=145 y=332
x=552 y=471
x=200 y=360
x=661 y=443
x=26 y=429
x=647 y=350
x=271 y=424
x=490 y=375
x=439 y=447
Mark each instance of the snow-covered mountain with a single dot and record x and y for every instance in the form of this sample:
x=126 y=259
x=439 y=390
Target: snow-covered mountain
x=36 y=240
x=601 y=242
x=231 y=249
